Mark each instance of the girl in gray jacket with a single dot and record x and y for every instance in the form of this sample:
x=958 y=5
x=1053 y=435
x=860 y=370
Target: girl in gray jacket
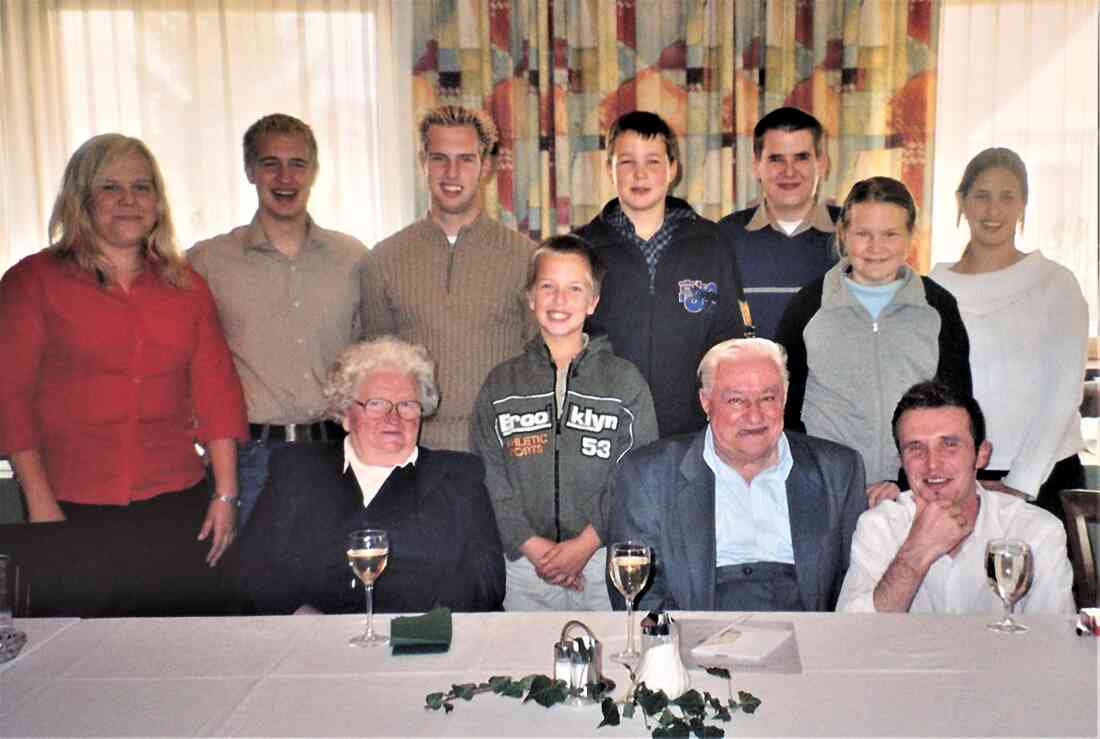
x=863 y=334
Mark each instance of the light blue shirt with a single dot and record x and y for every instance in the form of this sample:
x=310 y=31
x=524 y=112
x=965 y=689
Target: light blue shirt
x=752 y=521
x=873 y=297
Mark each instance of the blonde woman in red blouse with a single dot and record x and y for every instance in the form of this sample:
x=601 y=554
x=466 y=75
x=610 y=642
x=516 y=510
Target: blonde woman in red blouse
x=115 y=363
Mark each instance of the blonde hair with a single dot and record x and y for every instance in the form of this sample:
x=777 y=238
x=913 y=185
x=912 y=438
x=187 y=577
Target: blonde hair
x=456 y=115
x=280 y=124
x=386 y=352
x=72 y=235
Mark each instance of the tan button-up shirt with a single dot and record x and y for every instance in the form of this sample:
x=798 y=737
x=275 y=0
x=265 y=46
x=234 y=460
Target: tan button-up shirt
x=286 y=319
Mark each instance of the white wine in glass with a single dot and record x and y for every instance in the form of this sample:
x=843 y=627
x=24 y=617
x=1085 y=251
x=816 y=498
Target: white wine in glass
x=1008 y=570
x=628 y=567
x=368 y=552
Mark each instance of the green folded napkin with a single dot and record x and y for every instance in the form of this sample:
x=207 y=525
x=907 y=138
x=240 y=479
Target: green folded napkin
x=422 y=634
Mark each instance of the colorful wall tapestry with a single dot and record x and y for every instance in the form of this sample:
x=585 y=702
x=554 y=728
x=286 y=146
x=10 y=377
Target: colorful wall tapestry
x=555 y=73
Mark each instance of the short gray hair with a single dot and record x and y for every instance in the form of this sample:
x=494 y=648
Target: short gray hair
x=383 y=353
x=737 y=349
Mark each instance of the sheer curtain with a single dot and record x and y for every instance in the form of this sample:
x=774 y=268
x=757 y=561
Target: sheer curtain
x=188 y=77
x=1023 y=74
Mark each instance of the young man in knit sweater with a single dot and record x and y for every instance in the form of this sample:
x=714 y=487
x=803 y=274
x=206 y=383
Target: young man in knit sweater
x=786 y=240
x=453 y=281
x=672 y=289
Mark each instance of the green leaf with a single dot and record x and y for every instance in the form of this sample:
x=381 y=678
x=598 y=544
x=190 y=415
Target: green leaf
x=722 y=713
x=604 y=687
x=667 y=717
x=718 y=671
x=692 y=703
x=434 y=701
x=546 y=692
x=628 y=710
x=447 y=708
x=464 y=691
x=749 y=702
x=537 y=684
x=610 y=713
x=513 y=690
x=702 y=731
x=675 y=728
x=525 y=683
x=652 y=702
x=506 y=686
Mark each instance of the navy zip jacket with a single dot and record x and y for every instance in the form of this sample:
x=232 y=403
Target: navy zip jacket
x=665 y=331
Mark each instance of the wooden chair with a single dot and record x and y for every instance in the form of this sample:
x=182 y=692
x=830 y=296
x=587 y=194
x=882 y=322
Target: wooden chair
x=1081 y=508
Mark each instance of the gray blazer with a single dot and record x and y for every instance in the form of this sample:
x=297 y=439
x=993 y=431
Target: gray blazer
x=664 y=497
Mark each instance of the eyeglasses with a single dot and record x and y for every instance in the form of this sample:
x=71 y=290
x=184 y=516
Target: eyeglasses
x=410 y=410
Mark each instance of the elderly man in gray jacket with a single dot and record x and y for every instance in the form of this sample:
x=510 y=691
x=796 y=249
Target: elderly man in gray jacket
x=741 y=516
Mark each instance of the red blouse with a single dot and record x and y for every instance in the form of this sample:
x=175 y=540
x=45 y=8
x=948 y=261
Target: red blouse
x=113 y=388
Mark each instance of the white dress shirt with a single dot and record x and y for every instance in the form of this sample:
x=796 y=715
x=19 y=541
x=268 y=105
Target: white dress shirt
x=752 y=522
x=371 y=477
x=958 y=584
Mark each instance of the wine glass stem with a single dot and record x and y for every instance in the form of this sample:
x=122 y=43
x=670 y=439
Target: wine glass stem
x=630 y=625
x=369 y=634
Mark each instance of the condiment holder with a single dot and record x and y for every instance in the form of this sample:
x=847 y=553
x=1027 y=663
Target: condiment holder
x=577 y=661
x=661 y=667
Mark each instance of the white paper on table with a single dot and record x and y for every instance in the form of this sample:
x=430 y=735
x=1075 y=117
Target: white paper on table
x=743 y=644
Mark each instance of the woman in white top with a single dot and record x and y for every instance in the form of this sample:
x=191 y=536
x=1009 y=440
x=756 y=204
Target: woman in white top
x=1028 y=327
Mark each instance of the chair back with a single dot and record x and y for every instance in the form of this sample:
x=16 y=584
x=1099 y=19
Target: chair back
x=1081 y=509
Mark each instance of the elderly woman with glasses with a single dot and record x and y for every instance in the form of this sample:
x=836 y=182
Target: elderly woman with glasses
x=444 y=544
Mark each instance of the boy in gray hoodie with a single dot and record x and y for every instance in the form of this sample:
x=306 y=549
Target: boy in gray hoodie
x=551 y=425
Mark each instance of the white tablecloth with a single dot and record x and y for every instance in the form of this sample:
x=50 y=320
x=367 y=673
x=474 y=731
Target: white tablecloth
x=861 y=675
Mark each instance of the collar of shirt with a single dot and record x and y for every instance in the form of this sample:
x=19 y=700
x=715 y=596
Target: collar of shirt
x=752 y=520
x=371 y=477
x=818 y=218
x=257 y=239
x=654 y=246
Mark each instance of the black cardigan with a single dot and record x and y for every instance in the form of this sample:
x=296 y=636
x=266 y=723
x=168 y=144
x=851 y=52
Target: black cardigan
x=444 y=544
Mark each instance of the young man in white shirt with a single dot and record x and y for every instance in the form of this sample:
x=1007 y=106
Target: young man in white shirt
x=925 y=551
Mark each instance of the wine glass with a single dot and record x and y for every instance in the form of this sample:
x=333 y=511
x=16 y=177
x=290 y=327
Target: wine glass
x=628 y=567
x=368 y=552
x=1008 y=569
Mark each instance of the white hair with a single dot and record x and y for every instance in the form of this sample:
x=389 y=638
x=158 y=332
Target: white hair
x=731 y=349
x=385 y=352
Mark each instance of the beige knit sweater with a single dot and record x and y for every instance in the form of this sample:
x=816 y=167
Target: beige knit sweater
x=465 y=303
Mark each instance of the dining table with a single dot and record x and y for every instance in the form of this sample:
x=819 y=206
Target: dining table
x=841 y=675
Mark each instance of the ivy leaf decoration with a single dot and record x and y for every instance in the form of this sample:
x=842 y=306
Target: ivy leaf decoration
x=702 y=731
x=652 y=702
x=671 y=725
x=546 y=692
x=692 y=703
x=718 y=672
x=749 y=702
x=694 y=708
x=506 y=686
x=610 y=713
